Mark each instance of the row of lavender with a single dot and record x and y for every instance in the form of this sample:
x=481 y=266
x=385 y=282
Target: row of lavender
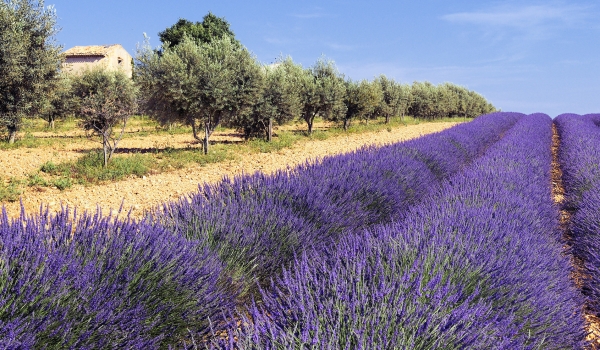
x=90 y=281
x=258 y=223
x=477 y=265
x=580 y=162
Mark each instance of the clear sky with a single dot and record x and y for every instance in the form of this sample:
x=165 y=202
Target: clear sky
x=525 y=56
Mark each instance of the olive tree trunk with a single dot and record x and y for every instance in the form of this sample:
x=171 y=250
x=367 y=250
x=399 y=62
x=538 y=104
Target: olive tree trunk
x=270 y=130
x=12 y=136
x=106 y=151
x=205 y=140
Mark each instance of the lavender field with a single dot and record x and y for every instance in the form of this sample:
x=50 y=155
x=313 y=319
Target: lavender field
x=580 y=161
x=448 y=241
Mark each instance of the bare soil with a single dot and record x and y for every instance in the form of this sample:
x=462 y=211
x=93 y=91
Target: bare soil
x=578 y=275
x=142 y=194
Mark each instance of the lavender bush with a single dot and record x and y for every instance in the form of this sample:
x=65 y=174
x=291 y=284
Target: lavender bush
x=580 y=162
x=478 y=264
x=258 y=223
x=91 y=281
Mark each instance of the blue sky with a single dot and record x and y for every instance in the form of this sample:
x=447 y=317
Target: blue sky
x=524 y=56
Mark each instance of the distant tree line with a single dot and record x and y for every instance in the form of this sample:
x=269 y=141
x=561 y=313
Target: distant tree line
x=201 y=76
x=206 y=81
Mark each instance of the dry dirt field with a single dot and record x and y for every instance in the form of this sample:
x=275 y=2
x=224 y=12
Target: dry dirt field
x=141 y=194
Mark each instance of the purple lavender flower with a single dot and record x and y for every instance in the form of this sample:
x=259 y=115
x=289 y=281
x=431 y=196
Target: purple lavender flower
x=91 y=281
x=580 y=162
x=259 y=223
x=477 y=264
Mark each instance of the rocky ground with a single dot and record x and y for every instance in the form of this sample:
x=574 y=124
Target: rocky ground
x=142 y=194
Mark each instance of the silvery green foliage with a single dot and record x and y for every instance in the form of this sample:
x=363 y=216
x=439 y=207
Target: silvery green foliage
x=29 y=60
x=396 y=98
x=479 y=264
x=322 y=92
x=61 y=101
x=278 y=102
x=362 y=100
x=106 y=100
x=198 y=84
x=428 y=101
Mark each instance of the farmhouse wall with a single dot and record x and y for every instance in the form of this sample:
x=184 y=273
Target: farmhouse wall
x=78 y=64
x=119 y=58
x=112 y=57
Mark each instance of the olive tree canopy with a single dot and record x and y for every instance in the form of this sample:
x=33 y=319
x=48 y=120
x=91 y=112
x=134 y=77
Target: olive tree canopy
x=30 y=60
x=106 y=100
x=362 y=100
x=322 y=92
x=279 y=100
x=211 y=28
x=446 y=100
x=396 y=98
x=198 y=84
x=370 y=95
x=61 y=101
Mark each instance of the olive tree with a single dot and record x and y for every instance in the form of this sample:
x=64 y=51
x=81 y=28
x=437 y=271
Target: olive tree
x=61 y=101
x=369 y=96
x=198 y=84
x=443 y=102
x=211 y=28
x=462 y=97
x=423 y=100
x=105 y=101
x=350 y=103
x=30 y=60
x=362 y=100
x=396 y=98
x=476 y=105
x=322 y=92
x=446 y=100
x=278 y=102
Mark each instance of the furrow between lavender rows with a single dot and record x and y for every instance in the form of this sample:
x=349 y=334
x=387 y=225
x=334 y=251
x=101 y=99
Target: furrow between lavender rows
x=478 y=264
x=579 y=158
x=258 y=223
x=91 y=281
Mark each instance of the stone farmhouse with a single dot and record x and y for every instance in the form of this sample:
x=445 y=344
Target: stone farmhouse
x=80 y=58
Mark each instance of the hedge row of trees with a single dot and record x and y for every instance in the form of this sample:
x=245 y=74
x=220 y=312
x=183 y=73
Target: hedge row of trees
x=32 y=84
x=200 y=76
x=207 y=84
